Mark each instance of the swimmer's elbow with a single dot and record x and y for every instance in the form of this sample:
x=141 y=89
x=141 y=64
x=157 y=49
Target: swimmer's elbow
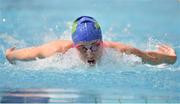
x=44 y=54
x=41 y=56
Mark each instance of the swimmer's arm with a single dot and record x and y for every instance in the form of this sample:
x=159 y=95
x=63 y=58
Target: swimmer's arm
x=164 y=54
x=43 y=51
x=25 y=54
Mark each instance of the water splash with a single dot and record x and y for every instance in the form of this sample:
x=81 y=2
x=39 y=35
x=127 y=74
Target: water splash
x=11 y=41
x=67 y=33
x=152 y=43
x=109 y=35
x=127 y=28
x=69 y=60
x=115 y=59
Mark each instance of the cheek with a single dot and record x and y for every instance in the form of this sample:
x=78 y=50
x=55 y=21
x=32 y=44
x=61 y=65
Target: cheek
x=99 y=52
x=82 y=55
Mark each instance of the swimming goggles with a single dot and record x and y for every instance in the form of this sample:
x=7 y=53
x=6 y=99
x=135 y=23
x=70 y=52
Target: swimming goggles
x=93 y=47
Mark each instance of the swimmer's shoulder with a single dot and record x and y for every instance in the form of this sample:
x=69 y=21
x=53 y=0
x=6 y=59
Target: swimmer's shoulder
x=66 y=44
x=58 y=45
x=106 y=44
x=110 y=44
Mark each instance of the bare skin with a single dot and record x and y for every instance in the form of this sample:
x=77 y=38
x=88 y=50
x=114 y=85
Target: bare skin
x=164 y=54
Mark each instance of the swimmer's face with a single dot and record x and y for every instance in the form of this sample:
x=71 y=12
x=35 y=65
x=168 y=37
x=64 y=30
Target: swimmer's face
x=90 y=52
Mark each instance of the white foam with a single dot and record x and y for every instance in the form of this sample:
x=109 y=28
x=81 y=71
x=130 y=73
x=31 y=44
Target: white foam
x=69 y=60
x=116 y=59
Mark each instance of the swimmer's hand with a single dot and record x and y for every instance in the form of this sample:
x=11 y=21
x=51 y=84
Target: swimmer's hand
x=164 y=54
x=9 y=55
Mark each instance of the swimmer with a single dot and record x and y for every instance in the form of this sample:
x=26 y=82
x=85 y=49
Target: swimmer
x=87 y=40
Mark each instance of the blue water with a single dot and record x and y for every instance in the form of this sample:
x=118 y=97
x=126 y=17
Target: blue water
x=117 y=79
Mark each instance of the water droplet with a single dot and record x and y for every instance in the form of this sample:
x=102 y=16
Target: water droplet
x=50 y=29
x=57 y=26
x=4 y=20
x=128 y=25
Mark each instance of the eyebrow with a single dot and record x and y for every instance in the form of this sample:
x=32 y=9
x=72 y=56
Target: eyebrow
x=93 y=43
x=89 y=44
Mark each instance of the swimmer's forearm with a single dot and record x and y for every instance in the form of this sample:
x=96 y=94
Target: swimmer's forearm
x=139 y=53
x=22 y=54
x=130 y=50
x=158 y=58
x=151 y=57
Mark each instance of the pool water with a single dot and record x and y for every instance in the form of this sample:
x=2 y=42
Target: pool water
x=118 y=78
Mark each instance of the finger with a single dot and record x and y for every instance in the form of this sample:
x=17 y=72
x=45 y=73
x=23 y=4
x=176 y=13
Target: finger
x=170 y=49
x=8 y=51
x=12 y=49
x=166 y=46
x=162 y=49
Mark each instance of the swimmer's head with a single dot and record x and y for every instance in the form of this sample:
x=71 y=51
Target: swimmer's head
x=87 y=38
x=85 y=29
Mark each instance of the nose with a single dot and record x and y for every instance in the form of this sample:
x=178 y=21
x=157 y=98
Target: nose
x=89 y=53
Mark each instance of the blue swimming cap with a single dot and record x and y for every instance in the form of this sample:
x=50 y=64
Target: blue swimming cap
x=85 y=29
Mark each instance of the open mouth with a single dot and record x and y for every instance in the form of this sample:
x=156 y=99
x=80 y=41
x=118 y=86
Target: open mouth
x=91 y=62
